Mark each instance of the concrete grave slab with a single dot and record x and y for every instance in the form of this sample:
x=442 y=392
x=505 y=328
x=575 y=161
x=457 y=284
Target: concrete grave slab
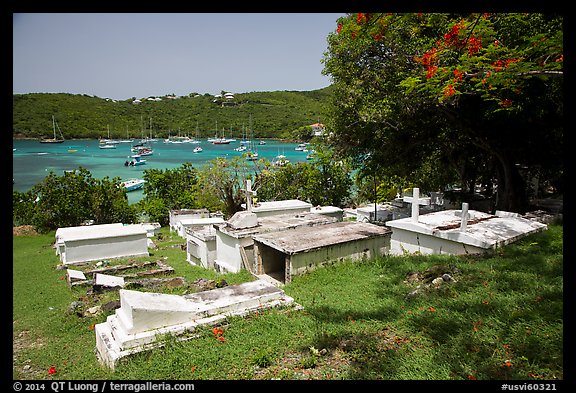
x=106 y=280
x=74 y=276
x=457 y=232
x=96 y=242
x=273 y=208
x=143 y=316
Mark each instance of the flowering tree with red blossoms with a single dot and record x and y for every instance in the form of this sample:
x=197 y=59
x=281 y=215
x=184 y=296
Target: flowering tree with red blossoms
x=447 y=98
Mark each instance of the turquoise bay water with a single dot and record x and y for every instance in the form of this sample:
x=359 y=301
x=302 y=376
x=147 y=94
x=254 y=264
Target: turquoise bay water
x=33 y=160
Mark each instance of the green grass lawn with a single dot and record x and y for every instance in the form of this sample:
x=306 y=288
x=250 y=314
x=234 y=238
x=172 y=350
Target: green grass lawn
x=501 y=319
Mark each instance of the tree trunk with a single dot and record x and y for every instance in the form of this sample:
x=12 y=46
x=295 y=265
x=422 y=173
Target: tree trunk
x=511 y=187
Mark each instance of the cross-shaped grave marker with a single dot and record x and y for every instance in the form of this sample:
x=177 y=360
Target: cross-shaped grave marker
x=416 y=201
x=465 y=217
x=249 y=195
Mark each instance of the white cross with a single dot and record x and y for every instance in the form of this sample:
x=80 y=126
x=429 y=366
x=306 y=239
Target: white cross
x=465 y=217
x=415 y=200
x=249 y=195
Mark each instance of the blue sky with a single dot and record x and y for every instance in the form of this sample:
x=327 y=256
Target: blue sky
x=123 y=55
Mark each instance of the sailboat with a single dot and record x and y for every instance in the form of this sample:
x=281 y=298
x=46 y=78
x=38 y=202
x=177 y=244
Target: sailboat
x=251 y=154
x=107 y=143
x=54 y=140
x=196 y=138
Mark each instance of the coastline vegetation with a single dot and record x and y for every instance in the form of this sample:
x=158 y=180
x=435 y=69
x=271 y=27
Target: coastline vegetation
x=277 y=114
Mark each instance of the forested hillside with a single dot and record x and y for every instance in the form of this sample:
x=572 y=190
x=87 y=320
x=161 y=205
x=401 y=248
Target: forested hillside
x=268 y=114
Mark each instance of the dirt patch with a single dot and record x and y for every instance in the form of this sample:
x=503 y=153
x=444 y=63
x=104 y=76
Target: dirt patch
x=296 y=365
x=24 y=230
x=23 y=367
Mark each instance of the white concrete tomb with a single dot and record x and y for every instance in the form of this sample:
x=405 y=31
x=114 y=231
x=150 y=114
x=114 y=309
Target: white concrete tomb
x=181 y=214
x=195 y=223
x=201 y=246
x=282 y=255
x=143 y=316
x=95 y=242
x=331 y=211
x=274 y=208
x=234 y=244
x=456 y=232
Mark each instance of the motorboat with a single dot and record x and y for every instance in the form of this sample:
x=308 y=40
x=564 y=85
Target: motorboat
x=133 y=184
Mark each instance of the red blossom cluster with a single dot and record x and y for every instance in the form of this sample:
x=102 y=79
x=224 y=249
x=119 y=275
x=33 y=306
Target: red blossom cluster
x=451 y=40
x=429 y=61
x=362 y=18
x=474 y=44
x=458 y=75
x=499 y=65
x=217 y=332
x=449 y=90
x=452 y=37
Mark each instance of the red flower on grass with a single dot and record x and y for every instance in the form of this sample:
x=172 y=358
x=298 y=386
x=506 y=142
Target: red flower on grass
x=52 y=370
x=217 y=332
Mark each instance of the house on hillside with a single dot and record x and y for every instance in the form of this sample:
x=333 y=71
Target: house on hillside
x=318 y=129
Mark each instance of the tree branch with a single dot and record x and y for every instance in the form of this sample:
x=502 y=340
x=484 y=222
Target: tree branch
x=552 y=73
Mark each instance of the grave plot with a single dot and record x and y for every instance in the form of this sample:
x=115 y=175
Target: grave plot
x=283 y=254
x=456 y=232
x=143 y=317
x=117 y=275
x=103 y=279
x=75 y=245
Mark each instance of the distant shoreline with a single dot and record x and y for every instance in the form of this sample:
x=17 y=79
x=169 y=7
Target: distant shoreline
x=15 y=138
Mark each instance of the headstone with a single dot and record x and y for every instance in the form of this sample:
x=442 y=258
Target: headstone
x=249 y=195
x=416 y=201
x=465 y=215
x=107 y=280
x=243 y=220
x=74 y=276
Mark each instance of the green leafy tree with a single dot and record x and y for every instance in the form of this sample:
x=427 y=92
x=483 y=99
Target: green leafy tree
x=225 y=179
x=170 y=189
x=450 y=97
x=323 y=181
x=70 y=200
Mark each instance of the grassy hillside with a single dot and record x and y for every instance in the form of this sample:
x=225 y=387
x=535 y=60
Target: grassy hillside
x=268 y=114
